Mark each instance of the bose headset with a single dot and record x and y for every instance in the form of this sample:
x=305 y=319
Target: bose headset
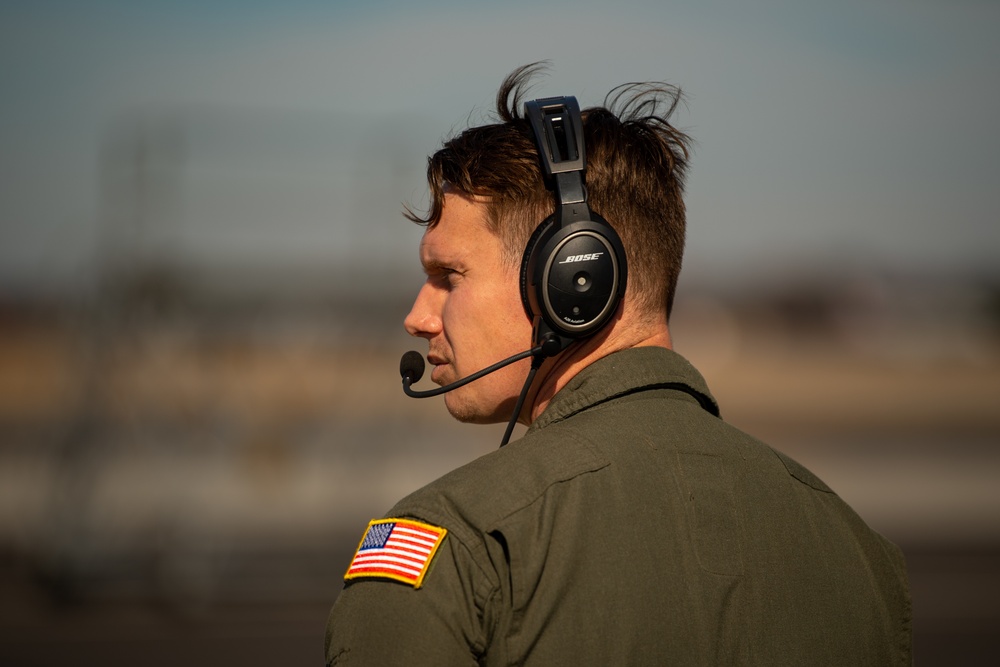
x=573 y=271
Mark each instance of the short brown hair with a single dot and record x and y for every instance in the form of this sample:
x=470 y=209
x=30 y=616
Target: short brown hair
x=636 y=162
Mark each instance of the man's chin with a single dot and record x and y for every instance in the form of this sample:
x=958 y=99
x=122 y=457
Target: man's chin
x=469 y=413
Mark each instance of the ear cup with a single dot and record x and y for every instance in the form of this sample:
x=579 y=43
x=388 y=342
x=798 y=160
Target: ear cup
x=573 y=276
x=528 y=261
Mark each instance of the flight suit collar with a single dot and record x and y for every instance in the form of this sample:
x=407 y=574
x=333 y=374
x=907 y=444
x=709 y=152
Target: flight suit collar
x=626 y=372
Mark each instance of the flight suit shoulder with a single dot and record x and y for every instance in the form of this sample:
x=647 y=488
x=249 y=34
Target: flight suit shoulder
x=472 y=499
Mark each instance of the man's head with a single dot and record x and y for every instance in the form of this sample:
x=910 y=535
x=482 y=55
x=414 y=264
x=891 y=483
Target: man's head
x=488 y=195
x=636 y=161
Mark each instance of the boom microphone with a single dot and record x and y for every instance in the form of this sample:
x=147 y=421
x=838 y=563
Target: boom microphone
x=411 y=368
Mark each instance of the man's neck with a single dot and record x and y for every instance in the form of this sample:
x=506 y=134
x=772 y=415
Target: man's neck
x=557 y=373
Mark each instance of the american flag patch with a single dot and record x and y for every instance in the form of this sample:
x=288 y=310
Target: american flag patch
x=398 y=549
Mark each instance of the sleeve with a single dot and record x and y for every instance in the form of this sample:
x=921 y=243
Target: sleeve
x=383 y=622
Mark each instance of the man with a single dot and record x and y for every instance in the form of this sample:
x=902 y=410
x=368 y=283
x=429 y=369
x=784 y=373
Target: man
x=630 y=525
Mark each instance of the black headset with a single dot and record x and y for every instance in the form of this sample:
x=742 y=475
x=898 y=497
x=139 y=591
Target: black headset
x=573 y=271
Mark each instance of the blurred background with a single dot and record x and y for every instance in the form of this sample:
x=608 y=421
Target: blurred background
x=204 y=270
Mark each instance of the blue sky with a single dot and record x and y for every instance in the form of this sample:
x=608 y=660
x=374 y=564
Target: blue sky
x=827 y=132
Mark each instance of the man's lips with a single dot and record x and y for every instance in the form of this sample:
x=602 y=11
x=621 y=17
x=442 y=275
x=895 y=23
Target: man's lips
x=440 y=366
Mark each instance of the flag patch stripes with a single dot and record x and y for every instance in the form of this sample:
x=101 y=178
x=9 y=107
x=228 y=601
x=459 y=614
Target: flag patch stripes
x=397 y=549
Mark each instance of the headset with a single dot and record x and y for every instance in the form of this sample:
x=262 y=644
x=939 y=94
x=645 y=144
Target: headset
x=573 y=271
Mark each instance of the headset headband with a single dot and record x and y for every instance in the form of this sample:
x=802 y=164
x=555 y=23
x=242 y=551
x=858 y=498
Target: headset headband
x=558 y=130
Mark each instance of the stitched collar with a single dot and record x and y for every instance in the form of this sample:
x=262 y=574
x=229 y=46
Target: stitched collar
x=626 y=372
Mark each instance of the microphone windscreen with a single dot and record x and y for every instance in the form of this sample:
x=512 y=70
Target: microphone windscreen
x=412 y=364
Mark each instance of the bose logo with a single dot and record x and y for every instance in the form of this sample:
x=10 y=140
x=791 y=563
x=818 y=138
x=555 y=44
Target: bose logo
x=581 y=258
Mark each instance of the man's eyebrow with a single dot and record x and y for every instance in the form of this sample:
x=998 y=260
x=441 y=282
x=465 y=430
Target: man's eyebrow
x=435 y=261
x=434 y=265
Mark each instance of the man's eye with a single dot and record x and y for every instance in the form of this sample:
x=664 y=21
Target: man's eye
x=447 y=277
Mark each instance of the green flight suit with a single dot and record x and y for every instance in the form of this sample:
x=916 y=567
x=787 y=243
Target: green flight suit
x=631 y=526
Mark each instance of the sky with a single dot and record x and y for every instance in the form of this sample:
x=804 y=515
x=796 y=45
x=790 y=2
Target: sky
x=850 y=133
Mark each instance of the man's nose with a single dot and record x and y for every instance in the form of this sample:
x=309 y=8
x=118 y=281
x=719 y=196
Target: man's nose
x=424 y=318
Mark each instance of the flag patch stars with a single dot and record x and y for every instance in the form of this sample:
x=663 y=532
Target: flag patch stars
x=397 y=549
